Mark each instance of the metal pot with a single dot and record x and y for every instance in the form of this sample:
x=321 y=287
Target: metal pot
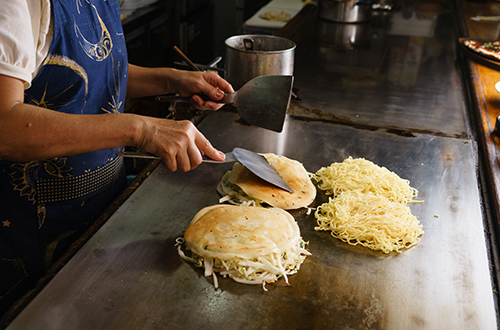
x=250 y=56
x=345 y=11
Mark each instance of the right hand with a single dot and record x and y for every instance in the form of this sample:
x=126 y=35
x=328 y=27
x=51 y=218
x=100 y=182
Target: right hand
x=179 y=144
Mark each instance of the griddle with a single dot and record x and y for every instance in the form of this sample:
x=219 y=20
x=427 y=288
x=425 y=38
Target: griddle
x=129 y=276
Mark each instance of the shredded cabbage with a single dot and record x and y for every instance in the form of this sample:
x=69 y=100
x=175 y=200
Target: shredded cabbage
x=233 y=194
x=260 y=270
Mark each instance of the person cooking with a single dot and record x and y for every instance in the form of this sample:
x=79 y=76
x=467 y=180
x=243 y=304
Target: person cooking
x=64 y=77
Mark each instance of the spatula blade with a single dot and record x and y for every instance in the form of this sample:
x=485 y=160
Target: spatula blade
x=263 y=101
x=258 y=165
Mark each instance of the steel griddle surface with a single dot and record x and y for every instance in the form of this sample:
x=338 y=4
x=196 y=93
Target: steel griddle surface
x=128 y=276
x=395 y=75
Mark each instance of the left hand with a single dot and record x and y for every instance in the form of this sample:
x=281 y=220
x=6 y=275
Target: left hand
x=160 y=81
x=193 y=83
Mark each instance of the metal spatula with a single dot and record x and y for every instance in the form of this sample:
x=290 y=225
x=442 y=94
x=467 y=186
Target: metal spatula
x=255 y=163
x=262 y=101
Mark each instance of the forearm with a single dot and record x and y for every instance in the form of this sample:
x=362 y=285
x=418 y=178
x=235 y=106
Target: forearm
x=32 y=133
x=149 y=81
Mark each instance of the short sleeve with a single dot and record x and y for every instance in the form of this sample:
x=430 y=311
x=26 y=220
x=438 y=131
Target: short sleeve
x=17 y=45
x=25 y=37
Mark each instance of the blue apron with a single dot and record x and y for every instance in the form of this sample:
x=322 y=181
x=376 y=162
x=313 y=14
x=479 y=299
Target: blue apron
x=46 y=205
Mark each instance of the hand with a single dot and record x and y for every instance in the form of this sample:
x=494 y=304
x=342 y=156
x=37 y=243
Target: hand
x=159 y=81
x=193 y=83
x=178 y=143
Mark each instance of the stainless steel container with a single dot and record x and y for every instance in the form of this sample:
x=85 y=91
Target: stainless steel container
x=250 y=56
x=345 y=11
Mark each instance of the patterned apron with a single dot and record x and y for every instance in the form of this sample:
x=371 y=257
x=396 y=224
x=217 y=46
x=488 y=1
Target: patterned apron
x=46 y=205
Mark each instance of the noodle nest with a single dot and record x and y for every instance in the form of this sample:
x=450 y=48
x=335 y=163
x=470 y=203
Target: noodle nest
x=368 y=206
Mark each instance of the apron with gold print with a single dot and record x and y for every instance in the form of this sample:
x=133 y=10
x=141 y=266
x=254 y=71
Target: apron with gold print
x=45 y=205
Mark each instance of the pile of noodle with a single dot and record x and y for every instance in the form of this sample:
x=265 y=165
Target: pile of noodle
x=368 y=206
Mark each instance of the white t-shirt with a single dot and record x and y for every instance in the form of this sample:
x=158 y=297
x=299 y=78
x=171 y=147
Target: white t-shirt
x=25 y=36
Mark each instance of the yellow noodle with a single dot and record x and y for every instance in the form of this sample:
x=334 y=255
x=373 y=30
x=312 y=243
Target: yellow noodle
x=368 y=207
x=362 y=175
x=369 y=220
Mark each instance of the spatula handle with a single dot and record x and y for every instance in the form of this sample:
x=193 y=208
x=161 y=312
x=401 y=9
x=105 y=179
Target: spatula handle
x=228 y=98
x=140 y=154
